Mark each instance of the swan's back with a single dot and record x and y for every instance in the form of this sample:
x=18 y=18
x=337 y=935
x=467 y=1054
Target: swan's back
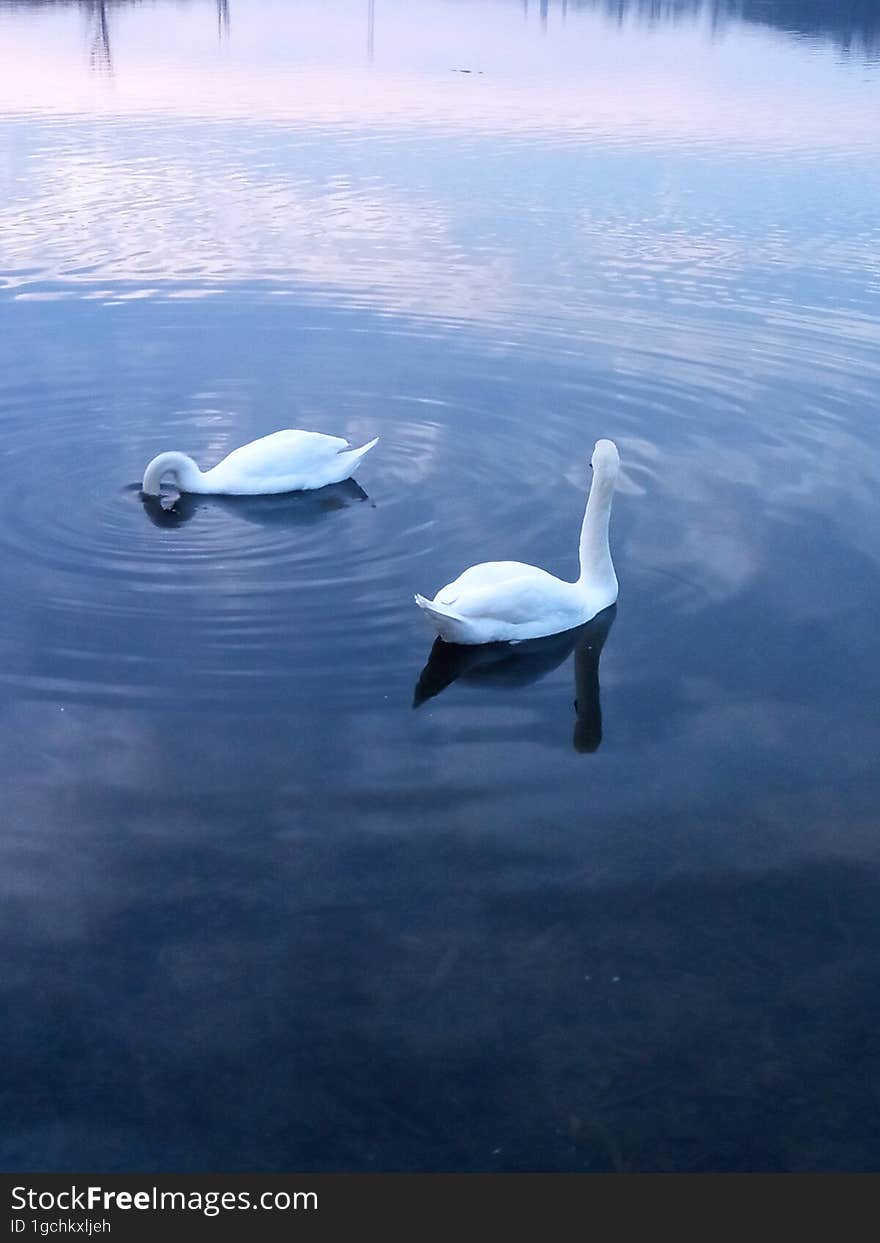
x=284 y=461
x=281 y=452
x=500 y=577
x=510 y=590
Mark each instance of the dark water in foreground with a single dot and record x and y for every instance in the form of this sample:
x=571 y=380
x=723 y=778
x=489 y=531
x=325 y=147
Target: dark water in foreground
x=280 y=892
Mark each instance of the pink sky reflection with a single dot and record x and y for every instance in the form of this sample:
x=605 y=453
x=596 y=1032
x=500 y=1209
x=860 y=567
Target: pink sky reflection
x=306 y=65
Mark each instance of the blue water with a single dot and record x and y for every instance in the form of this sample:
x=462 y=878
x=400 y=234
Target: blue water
x=284 y=887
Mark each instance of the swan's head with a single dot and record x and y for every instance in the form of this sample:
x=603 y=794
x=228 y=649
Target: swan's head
x=605 y=457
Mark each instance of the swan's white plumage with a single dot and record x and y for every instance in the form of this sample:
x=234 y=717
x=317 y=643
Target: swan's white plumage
x=285 y=461
x=508 y=600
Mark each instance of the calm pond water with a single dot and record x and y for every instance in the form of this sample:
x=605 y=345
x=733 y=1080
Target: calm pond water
x=282 y=889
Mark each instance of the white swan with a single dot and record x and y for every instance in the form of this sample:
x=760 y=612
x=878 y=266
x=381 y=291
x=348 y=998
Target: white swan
x=507 y=600
x=287 y=461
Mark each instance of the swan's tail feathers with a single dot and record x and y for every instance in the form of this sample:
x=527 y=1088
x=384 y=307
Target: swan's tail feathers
x=355 y=455
x=434 y=606
x=447 y=623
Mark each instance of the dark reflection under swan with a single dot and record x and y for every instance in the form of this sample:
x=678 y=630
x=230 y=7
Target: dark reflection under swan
x=520 y=664
x=284 y=509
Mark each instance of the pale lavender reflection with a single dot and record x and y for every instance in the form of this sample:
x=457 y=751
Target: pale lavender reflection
x=477 y=66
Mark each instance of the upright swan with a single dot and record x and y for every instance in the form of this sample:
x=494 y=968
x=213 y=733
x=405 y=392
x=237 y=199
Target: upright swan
x=507 y=600
x=287 y=461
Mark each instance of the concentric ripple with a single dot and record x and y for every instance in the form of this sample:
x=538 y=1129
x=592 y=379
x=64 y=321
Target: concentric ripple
x=248 y=600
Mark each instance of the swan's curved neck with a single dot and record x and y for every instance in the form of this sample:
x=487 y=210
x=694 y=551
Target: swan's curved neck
x=595 y=552
x=180 y=468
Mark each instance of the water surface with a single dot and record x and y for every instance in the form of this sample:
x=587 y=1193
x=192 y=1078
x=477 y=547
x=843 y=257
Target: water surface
x=286 y=888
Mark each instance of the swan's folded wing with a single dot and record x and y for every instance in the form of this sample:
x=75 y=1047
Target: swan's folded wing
x=283 y=452
x=517 y=600
x=487 y=574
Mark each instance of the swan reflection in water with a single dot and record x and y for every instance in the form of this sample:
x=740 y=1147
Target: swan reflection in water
x=284 y=509
x=520 y=664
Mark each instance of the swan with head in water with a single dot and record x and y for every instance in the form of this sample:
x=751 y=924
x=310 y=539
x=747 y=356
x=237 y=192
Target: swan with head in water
x=508 y=600
x=287 y=461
